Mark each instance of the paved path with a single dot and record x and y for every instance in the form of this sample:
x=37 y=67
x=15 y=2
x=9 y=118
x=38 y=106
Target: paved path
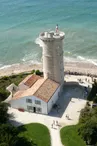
x=71 y=107
x=21 y=118
x=55 y=137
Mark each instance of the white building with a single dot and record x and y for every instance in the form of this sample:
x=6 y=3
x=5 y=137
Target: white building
x=39 y=96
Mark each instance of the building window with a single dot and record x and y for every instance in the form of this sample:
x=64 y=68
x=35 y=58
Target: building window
x=29 y=107
x=29 y=100
x=39 y=110
x=37 y=102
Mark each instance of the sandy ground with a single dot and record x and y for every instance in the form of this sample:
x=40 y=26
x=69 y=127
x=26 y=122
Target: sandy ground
x=80 y=67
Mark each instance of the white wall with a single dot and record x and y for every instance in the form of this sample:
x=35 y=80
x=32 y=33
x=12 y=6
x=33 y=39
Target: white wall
x=11 y=86
x=53 y=100
x=9 y=98
x=21 y=103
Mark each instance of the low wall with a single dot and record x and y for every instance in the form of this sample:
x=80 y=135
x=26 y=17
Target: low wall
x=71 y=83
x=9 y=98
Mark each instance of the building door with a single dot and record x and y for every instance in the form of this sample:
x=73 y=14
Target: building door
x=34 y=109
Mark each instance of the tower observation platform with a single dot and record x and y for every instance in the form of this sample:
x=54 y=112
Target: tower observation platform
x=53 y=65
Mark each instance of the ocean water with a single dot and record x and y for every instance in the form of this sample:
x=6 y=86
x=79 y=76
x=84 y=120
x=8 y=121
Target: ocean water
x=21 y=21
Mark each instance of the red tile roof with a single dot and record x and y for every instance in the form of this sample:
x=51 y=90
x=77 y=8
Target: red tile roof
x=31 y=80
x=47 y=89
x=39 y=87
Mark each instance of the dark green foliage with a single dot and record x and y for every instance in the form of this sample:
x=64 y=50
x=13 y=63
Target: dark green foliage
x=88 y=131
x=85 y=114
x=95 y=99
x=5 y=78
x=3 y=113
x=37 y=72
x=8 y=134
x=3 y=94
x=70 y=137
x=33 y=71
x=88 y=119
x=23 y=141
x=87 y=127
x=93 y=91
x=3 y=144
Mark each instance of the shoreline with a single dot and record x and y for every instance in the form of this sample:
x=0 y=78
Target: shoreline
x=76 y=68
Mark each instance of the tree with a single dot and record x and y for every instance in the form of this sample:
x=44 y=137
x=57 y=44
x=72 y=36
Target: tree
x=87 y=126
x=88 y=131
x=4 y=116
x=95 y=100
x=85 y=114
x=93 y=91
x=3 y=94
x=33 y=71
x=37 y=72
x=3 y=144
x=8 y=134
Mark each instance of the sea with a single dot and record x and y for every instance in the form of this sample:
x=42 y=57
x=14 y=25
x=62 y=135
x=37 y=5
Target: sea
x=21 y=22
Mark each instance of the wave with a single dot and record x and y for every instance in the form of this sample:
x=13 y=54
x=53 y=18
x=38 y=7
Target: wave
x=24 y=61
x=33 y=62
x=92 y=61
x=81 y=58
x=39 y=42
x=5 y=66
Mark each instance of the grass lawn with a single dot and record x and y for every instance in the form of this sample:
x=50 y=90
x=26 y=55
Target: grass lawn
x=37 y=133
x=69 y=136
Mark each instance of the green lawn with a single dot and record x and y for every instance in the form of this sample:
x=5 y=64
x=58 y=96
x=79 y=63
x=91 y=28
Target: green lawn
x=69 y=136
x=37 y=133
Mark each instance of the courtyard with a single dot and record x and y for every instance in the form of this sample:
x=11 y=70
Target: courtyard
x=70 y=103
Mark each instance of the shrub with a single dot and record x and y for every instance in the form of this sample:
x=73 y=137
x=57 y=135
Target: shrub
x=3 y=94
x=93 y=92
x=37 y=72
x=85 y=114
x=87 y=127
x=3 y=113
x=88 y=131
x=5 y=78
x=95 y=100
x=33 y=71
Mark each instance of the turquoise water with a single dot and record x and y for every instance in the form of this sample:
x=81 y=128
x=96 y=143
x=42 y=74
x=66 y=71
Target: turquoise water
x=21 y=21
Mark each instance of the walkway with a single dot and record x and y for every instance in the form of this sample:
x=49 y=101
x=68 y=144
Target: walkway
x=21 y=118
x=71 y=103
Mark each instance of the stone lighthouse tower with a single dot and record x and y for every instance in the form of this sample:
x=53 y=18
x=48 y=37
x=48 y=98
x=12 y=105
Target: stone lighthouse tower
x=53 y=66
